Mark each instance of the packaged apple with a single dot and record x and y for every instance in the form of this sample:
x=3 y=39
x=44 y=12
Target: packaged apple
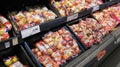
x=115 y=11
x=55 y=48
x=88 y=31
x=34 y=16
x=106 y=20
x=5 y=22
x=68 y=7
x=43 y=12
x=5 y=26
x=13 y=61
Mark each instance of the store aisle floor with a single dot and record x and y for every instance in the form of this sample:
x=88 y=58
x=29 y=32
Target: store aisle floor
x=113 y=60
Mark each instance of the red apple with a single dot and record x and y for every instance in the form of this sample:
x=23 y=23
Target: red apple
x=36 y=50
x=5 y=36
x=39 y=53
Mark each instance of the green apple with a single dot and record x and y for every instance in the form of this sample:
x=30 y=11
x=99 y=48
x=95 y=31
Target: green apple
x=2 y=31
x=8 y=62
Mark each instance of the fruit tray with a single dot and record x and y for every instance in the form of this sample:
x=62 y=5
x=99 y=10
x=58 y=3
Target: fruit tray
x=88 y=31
x=31 y=17
x=107 y=18
x=58 y=45
x=115 y=9
x=66 y=8
x=15 y=56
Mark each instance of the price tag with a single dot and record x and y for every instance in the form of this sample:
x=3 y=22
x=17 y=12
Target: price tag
x=15 y=41
x=72 y=17
x=7 y=44
x=95 y=8
x=101 y=54
x=30 y=31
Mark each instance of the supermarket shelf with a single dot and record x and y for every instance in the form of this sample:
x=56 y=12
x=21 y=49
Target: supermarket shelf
x=90 y=58
x=63 y=20
x=58 y=21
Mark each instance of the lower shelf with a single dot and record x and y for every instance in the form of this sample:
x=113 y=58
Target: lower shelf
x=93 y=56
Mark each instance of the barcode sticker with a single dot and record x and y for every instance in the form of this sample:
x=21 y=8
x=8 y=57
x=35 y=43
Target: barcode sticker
x=15 y=41
x=7 y=44
x=72 y=17
x=95 y=8
x=30 y=31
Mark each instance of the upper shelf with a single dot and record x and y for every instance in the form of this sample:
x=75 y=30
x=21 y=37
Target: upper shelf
x=63 y=20
x=58 y=21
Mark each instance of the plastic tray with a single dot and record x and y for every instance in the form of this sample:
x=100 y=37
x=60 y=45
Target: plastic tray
x=33 y=40
x=76 y=22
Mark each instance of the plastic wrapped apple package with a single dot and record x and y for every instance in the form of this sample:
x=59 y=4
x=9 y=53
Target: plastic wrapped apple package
x=107 y=18
x=115 y=10
x=56 y=48
x=68 y=7
x=5 y=26
x=33 y=16
x=89 y=31
x=13 y=61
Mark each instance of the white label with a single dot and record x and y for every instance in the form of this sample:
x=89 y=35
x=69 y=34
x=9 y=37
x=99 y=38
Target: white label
x=95 y=8
x=72 y=17
x=30 y=31
x=15 y=41
x=7 y=44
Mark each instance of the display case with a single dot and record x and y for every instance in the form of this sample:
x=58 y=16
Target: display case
x=57 y=42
